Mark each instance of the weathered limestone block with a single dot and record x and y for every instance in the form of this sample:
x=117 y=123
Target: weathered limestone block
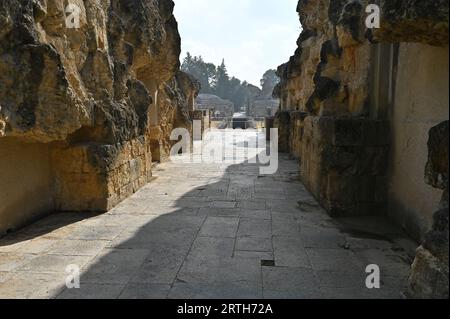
x=175 y=100
x=86 y=72
x=429 y=277
x=413 y=21
x=26 y=183
x=297 y=119
x=329 y=73
x=345 y=82
x=283 y=124
x=185 y=89
x=343 y=165
x=189 y=89
x=93 y=177
x=94 y=95
x=329 y=77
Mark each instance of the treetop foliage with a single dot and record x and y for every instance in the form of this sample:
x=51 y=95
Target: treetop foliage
x=216 y=80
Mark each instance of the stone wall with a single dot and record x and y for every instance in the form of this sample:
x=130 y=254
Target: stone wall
x=325 y=89
x=421 y=102
x=429 y=276
x=98 y=177
x=86 y=105
x=333 y=72
x=282 y=122
x=356 y=106
x=26 y=183
x=261 y=108
x=220 y=107
x=297 y=132
x=343 y=162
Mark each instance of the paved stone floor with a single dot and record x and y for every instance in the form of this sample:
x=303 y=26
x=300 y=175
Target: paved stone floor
x=208 y=231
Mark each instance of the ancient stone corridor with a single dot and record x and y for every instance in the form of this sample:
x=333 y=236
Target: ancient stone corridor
x=208 y=231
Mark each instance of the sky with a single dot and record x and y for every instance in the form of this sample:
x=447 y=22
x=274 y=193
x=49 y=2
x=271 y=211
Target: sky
x=252 y=36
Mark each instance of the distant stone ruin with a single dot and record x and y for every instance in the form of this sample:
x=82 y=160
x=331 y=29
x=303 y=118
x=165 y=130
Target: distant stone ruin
x=220 y=108
x=262 y=108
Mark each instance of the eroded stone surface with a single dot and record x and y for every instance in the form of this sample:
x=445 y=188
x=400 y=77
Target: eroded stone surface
x=98 y=101
x=429 y=277
x=414 y=21
x=155 y=245
x=343 y=115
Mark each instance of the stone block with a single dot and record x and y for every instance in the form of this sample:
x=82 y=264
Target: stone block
x=348 y=132
x=429 y=277
x=324 y=130
x=283 y=123
x=349 y=188
x=373 y=161
x=376 y=133
x=98 y=177
x=342 y=160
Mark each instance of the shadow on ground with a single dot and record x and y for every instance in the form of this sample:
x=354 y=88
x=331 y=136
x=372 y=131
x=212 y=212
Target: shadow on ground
x=208 y=231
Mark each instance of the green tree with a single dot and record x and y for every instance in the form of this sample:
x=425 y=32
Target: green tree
x=268 y=82
x=236 y=93
x=252 y=92
x=204 y=72
x=216 y=80
x=222 y=82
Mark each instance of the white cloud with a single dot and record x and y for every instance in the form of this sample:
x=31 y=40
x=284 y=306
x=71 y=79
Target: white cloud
x=251 y=35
